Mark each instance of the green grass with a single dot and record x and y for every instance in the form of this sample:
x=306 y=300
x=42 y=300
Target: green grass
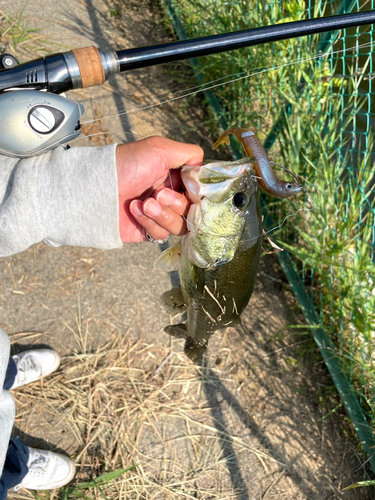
x=254 y=101
x=333 y=242
x=79 y=491
x=360 y=484
x=324 y=137
x=19 y=38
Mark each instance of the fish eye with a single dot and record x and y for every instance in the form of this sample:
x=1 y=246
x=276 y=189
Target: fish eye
x=240 y=200
x=289 y=186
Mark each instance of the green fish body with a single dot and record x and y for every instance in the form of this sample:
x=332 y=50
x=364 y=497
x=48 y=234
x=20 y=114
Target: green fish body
x=218 y=258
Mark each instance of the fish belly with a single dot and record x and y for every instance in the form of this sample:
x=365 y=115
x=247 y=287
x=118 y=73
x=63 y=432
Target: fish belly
x=216 y=298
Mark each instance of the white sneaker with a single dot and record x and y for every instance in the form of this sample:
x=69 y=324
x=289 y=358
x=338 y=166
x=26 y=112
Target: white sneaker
x=33 y=365
x=47 y=471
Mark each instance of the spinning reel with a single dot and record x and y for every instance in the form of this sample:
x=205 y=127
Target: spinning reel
x=35 y=115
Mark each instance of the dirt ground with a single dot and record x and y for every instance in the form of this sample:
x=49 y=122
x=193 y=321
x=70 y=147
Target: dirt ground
x=253 y=421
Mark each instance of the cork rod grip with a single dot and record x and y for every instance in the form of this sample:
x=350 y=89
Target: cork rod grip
x=90 y=66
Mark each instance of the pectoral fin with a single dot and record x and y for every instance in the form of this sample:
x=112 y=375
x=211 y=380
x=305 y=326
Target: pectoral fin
x=170 y=259
x=173 y=301
x=178 y=331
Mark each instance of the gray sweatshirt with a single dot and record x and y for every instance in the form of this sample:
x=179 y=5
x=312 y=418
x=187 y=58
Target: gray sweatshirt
x=64 y=197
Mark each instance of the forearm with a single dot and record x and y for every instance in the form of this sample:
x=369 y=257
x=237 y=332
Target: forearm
x=63 y=197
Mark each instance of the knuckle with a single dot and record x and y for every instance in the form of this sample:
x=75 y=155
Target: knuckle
x=200 y=151
x=160 y=147
x=154 y=140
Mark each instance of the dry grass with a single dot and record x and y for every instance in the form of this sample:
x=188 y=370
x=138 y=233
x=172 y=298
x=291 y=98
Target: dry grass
x=132 y=403
x=20 y=39
x=235 y=427
x=96 y=131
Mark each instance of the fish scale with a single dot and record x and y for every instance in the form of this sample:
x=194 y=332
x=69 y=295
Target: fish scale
x=218 y=258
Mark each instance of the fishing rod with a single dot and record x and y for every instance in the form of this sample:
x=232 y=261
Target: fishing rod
x=33 y=122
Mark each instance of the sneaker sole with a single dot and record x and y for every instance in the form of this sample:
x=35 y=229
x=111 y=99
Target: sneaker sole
x=55 y=366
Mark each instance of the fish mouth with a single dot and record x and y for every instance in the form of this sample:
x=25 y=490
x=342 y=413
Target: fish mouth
x=216 y=180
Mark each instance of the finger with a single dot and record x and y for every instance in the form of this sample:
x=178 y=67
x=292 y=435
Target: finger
x=176 y=201
x=149 y=225
x=165 y=217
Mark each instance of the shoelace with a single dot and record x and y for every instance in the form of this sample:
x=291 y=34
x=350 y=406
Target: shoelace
x=37 y=468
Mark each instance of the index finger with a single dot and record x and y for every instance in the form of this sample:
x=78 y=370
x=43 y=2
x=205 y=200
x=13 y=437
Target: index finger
x=178 y=154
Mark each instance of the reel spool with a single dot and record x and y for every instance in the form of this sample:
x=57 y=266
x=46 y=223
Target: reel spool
x=33 y=121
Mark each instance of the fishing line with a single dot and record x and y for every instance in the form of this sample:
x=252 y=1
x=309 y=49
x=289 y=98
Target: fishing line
x=304 y=190
x=201 y=88
x=213 y=81
x=104 y=133
x=208 y=83
x=160 y=103
x=170 y=179
x=287 y=170
x=255 y=237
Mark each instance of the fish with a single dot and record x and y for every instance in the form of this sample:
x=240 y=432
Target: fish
x=218 y=258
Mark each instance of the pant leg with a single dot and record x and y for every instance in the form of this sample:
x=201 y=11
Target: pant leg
x=15 y=467
x=10 y=375
x=7 y=407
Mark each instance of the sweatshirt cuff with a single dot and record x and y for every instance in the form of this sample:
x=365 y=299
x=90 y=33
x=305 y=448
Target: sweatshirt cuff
x=78 y=197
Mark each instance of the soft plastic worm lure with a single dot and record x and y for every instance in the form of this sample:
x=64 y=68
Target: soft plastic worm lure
x=262 y=166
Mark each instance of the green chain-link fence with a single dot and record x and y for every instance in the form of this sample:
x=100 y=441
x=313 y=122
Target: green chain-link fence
x=312 y=101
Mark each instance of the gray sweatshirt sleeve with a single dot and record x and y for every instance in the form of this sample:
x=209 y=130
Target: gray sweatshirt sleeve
x=64 y=197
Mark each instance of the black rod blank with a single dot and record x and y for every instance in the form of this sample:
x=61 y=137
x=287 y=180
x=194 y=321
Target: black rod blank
x=149 y=56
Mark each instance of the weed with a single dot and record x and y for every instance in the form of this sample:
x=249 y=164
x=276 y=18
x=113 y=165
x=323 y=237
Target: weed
x=320 y=108
x=79 y=490
x=19 y=38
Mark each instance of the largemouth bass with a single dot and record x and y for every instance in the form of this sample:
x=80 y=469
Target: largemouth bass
x=218 y=258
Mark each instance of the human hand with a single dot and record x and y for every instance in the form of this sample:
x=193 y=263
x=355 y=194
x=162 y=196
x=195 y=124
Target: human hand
x=148 y=184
